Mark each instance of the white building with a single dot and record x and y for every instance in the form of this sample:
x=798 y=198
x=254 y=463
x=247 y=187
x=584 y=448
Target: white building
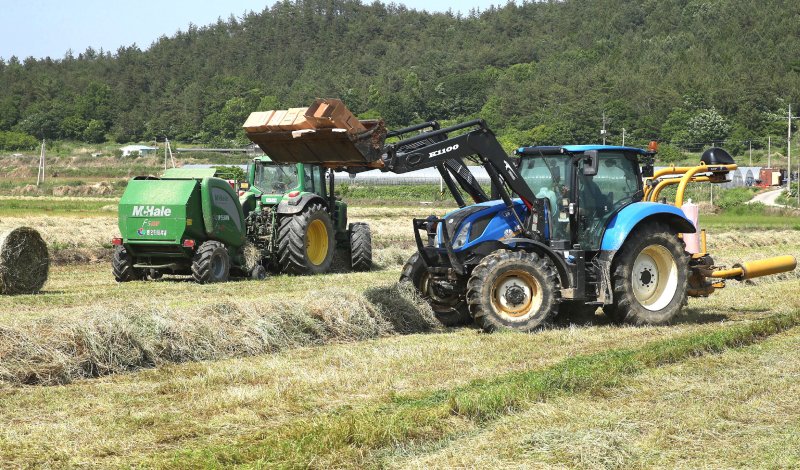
x=138 y=150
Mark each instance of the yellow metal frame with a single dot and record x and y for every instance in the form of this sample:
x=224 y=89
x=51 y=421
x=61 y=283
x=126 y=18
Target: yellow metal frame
x=682 y=176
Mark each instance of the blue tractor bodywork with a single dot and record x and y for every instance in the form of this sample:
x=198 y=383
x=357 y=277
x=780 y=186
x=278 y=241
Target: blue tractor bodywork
x=626 y=220
x=489 y=221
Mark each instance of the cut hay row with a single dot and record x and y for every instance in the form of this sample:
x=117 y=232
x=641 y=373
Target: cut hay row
x=104 y=342
x=24 y=261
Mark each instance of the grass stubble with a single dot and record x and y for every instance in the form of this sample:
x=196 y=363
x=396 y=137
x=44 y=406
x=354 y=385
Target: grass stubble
x=350 y=437
x=96 y=329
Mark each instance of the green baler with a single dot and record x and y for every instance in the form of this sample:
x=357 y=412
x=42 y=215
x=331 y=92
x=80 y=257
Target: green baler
x=190 y=223
x=186 y=222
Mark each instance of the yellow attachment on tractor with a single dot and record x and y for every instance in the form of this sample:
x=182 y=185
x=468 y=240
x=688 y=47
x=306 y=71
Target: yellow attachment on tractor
x=705 y=278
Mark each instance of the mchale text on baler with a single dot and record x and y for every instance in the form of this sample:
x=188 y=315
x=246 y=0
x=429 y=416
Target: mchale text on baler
x=188 y=222
x=567 y=228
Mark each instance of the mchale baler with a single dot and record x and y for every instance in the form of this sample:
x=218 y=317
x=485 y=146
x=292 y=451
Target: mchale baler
x=188 y=222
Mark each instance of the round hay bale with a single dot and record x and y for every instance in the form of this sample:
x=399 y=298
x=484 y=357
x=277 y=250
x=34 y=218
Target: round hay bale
x=24 y=261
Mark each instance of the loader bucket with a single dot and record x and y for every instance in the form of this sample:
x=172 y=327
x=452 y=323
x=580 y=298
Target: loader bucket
x=325 y=133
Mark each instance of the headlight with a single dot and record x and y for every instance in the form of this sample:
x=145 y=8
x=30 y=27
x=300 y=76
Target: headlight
x=461 y=237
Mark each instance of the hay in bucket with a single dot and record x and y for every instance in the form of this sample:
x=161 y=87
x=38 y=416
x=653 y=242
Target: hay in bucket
x=24 y=261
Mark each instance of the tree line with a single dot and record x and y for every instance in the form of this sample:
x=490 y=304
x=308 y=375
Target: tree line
x=544 y=72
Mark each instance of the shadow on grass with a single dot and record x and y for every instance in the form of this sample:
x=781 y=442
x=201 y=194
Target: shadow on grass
x=586 y=317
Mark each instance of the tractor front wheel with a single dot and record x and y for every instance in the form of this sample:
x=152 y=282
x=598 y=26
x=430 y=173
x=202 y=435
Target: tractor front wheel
x=450 y=309
x=211 y=263
x=649 y=277
x=122 y=266
x=360 y=247
x=513 y=289
x=305 y=241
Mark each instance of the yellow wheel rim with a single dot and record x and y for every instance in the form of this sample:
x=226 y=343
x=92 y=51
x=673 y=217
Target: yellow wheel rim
x=516 y=295
x=317 y=242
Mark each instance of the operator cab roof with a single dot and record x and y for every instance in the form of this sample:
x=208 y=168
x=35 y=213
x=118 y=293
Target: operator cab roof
x=573 y=149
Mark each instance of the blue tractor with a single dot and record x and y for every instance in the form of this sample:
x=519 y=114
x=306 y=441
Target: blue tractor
x=566 y=229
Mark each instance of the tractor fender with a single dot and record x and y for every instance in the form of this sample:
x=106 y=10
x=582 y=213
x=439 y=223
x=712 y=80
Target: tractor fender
x=543 y=250
x=296 y=205
x=630 y=217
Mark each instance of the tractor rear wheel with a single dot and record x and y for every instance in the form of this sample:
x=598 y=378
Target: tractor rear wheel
x=360 y=247
x=649 y=277
x=450 y=310
x=305 y=241
x=211 y=263
x=513 y=289
x=122 y=266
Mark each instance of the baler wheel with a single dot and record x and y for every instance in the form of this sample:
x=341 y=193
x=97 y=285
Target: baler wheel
x=360 y=247
x=305 y=241
x=122 y=266
x=211 y=263
x=258 y=273
x=449 y=310
x=649 y=277
x=513 y=289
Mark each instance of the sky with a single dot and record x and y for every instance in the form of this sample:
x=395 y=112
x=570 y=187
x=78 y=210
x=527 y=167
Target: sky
x=42 y=28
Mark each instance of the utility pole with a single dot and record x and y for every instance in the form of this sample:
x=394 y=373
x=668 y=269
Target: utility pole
x=168 y=153
x=40 y=173
x=623 y=136
x=603 y=131
x=769 y=151
x=789 y=152
x=751 y=152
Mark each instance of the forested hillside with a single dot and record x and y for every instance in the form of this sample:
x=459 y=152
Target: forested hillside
x=683 y=71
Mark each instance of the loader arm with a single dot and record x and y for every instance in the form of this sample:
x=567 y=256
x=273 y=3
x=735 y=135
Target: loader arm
x=442 y=151
x=453 y=171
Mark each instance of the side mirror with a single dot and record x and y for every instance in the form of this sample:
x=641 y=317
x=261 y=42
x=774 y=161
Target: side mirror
x=647 y=165
x=590 y=162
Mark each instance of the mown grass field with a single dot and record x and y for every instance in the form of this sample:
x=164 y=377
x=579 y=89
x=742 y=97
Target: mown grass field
x=345 y=370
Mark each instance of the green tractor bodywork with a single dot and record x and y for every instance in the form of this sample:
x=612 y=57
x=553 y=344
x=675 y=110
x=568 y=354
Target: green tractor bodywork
x=189 y=222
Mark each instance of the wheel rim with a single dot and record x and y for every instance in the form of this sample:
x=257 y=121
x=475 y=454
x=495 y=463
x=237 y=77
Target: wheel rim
x=217 y=266
x=516 y=295
x=317 y=242
x=654 y=277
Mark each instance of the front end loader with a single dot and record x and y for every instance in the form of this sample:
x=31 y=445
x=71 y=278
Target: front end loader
x=567 y=228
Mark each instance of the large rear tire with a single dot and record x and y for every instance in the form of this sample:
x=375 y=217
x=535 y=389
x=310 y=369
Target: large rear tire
x=122 y=266
x=513 y=289
x=305 y=241
x=211 y=263
x=450 y=310
x=649 y=276
x=360 y=247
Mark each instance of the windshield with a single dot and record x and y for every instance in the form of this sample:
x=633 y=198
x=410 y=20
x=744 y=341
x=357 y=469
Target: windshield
x=275 y=179
x=548 y=178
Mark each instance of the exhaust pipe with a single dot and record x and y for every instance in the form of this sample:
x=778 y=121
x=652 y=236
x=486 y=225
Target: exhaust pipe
x=752 y=269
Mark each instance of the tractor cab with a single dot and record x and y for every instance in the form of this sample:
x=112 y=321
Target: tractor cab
x=584 y=186
x=272 y=182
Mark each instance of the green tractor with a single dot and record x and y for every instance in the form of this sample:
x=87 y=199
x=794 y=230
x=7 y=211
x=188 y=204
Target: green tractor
x=285 y=218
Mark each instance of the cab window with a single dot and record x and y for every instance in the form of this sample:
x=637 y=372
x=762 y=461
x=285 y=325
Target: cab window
x=275 y=179
x=311 y=178
x=617 y=183
x=548 y=178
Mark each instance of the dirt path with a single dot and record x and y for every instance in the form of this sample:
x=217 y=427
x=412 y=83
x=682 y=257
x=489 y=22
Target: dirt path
x=768 y=198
